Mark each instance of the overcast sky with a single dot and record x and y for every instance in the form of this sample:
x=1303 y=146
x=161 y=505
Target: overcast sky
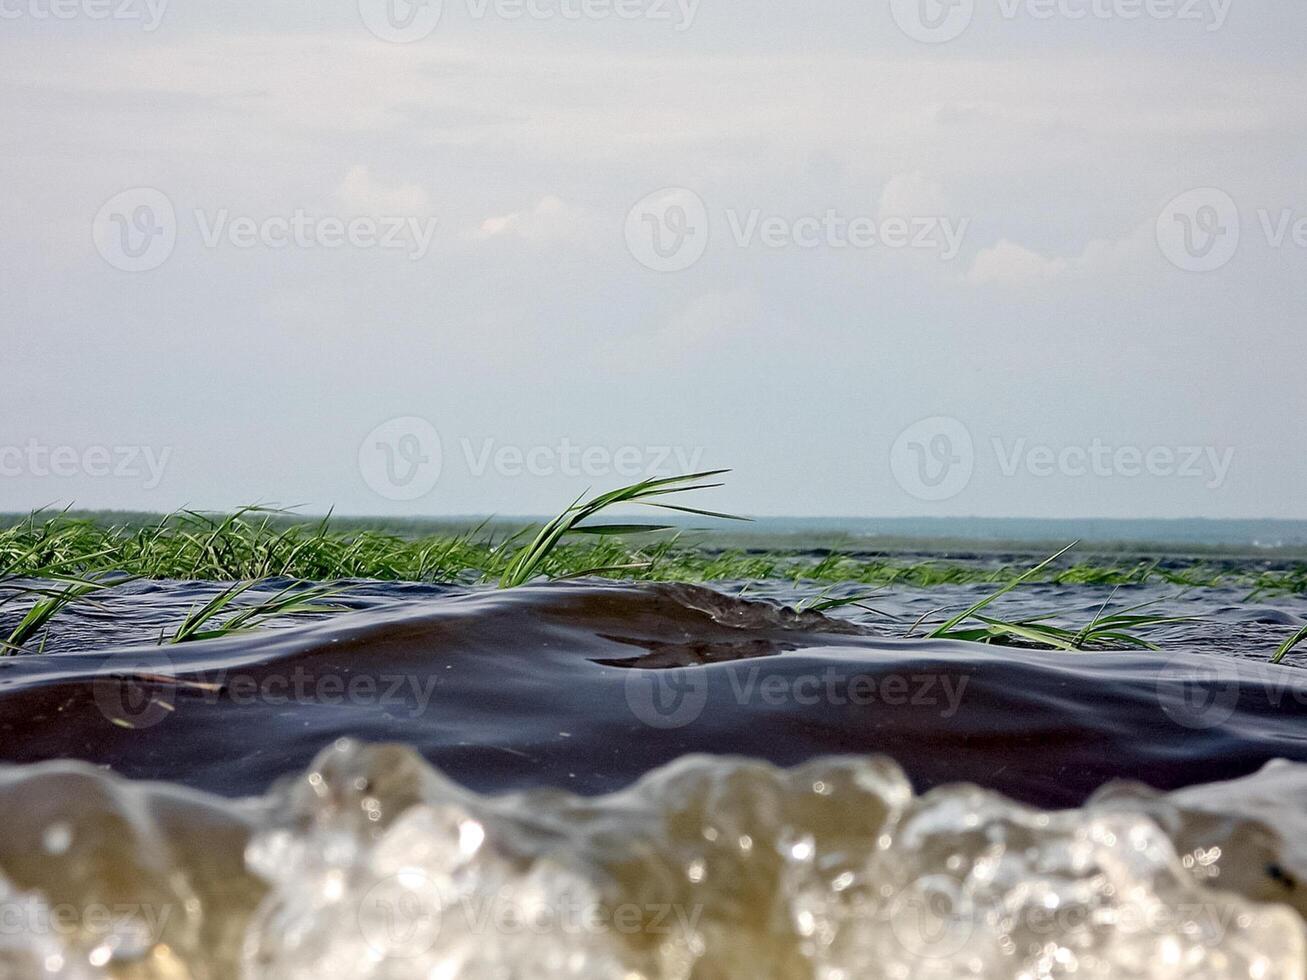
x=1030 y=258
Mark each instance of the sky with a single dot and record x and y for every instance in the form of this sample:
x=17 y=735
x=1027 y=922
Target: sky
x=1035 y=258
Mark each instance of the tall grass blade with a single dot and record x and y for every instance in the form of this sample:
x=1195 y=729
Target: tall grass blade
x=529 y=562
x=1289 y=645
x=942 y=632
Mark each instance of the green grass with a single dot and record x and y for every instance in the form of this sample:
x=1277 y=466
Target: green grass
x=193 y=545
x=1289 y=645
x=1104 y=631
x=47 y=602
x=255 y=544
x=947 y=629
x=259 y=543
x=531 y=560
x=206 y=621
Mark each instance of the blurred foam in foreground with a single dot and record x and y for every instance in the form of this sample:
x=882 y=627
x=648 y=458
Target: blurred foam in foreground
x=373 y=865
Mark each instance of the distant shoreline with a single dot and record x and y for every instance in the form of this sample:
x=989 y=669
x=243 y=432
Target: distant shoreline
x=1274 y=540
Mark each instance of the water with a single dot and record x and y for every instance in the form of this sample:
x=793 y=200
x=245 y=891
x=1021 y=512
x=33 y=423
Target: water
x=606 y=780
x=1175 y=535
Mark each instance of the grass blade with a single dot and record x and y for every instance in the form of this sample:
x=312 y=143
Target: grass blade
x=1289 y=645
x=942 y=631
x=529 y=562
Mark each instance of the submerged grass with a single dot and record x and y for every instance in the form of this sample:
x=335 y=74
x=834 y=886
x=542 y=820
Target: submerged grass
x=948 y=629
x=205 y=621
x=1289 y=645
x=47 y=603
x=1104 y=631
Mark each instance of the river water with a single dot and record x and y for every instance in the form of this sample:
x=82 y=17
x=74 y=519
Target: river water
x=614 y=780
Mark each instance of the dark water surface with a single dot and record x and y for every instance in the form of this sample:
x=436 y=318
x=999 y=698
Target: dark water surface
x=650 y=782
x=589 y=686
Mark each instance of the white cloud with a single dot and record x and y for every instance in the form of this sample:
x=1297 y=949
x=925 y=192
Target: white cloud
x=912 y=195
x=518 y=139
x=710 y=319
x=1007 y=263
x=360 y=193
x=1010 y=264
x=550 y=219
